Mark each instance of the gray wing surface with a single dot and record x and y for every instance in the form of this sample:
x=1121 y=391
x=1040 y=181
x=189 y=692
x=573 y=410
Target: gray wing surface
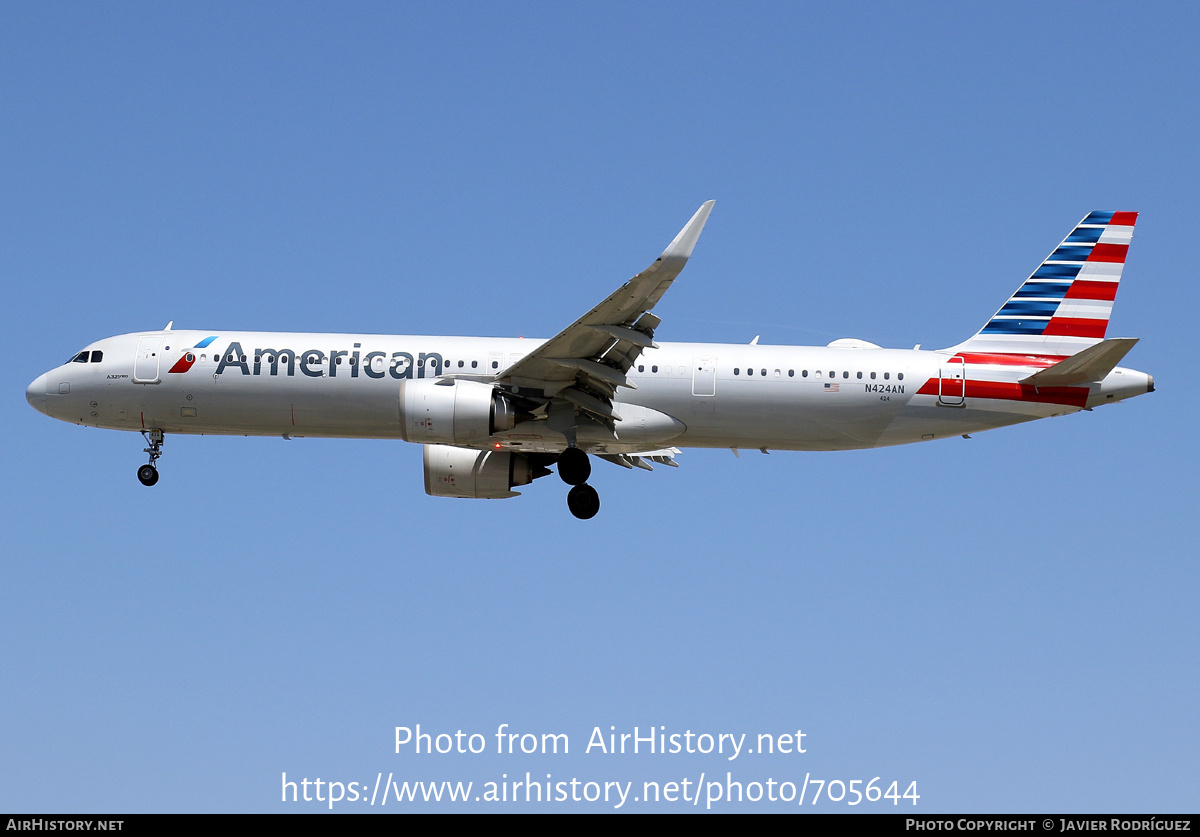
x=585 y=363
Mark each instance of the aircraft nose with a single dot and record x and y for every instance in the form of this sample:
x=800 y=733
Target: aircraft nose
x=35 y=394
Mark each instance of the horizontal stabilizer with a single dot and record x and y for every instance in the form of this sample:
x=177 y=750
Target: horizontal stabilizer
x=1091 y=364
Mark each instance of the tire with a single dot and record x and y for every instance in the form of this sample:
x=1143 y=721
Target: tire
x=147 y=475
x=583 y=501
x=574 y=467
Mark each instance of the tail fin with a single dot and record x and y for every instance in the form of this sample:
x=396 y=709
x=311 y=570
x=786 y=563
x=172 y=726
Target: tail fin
x=1063 y=308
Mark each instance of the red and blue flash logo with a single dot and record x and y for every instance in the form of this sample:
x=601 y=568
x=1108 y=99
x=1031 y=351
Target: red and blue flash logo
x=185 y=362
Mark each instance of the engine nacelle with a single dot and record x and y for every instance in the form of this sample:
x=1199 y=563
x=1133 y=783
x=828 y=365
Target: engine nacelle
x=449 y=411
x=485 y=474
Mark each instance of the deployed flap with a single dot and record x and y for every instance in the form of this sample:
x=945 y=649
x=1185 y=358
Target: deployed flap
x=664 y=456
x=593 y=354
x=1092 y=364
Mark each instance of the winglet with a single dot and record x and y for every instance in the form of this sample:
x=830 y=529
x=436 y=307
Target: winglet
x=685 y=242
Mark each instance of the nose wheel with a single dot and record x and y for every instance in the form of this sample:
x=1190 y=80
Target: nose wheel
x=148 y=473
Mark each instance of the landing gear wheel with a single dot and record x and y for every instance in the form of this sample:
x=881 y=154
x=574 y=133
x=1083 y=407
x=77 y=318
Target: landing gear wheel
x=583 y=501
x=574 y=467
x=148 y=475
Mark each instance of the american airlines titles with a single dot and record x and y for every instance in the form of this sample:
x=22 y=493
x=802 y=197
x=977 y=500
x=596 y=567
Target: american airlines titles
x=313 y=362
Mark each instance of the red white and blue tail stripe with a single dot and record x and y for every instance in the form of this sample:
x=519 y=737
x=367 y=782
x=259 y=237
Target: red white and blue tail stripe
x=1065 y=305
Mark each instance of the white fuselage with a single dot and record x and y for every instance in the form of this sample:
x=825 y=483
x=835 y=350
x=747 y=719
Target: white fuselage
x=687 y=395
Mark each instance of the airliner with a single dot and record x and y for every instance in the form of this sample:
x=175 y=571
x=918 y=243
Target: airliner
x=494 y=414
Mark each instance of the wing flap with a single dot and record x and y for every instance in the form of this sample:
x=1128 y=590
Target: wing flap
x=642 y=459
x=590 y=403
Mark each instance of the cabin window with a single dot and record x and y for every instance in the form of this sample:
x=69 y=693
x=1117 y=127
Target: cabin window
x=495 y=364
x=860 y=376
x=872 y=376
x=736 y=370
x=804 y=373
x=899 y=376
x=641 y=368
x=791 y=373
x=653 y=368
x=887 y=375
x=474 y=364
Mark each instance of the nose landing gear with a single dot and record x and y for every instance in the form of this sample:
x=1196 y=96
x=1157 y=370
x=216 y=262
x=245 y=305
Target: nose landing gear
x=148 y=474
x=574 y=468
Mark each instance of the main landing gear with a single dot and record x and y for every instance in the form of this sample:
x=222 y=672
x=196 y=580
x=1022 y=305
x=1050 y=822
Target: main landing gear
x=574 y=467
x=148 y=474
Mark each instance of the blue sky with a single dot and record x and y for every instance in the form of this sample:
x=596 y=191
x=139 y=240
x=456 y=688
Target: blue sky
x=1008 y=621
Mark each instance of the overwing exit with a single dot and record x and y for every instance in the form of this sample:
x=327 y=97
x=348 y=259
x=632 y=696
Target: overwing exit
x=494 y=414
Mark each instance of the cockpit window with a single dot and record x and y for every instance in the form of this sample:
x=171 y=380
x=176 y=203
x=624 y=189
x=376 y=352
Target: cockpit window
x=97 y=356
x=82 y=357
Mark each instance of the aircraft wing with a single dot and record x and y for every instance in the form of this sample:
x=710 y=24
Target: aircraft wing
x=586 y=362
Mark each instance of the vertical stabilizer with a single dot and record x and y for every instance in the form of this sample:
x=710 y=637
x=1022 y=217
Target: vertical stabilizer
x=1063 y=308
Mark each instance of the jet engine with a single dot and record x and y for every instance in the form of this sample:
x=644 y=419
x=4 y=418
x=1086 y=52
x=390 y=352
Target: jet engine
x=485 y=474
x=448 y=411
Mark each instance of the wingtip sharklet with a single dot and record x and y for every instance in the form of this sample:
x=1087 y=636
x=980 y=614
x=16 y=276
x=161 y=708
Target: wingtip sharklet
x=685 y=242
